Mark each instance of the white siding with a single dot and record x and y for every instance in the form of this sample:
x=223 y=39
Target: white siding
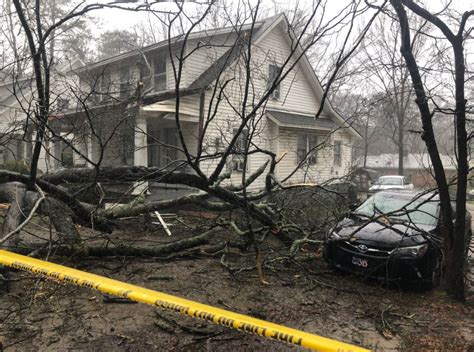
x=324 y=169
x=204 y=52
x=296 y=96
x=296 y=93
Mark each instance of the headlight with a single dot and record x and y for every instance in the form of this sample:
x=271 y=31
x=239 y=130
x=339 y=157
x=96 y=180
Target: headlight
x=332 y=234
x=414 y=251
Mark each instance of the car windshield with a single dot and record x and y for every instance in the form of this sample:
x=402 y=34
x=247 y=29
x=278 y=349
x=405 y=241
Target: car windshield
x=418 y=211
x=395 y=181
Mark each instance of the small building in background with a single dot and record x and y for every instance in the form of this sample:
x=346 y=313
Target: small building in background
x=417 y=167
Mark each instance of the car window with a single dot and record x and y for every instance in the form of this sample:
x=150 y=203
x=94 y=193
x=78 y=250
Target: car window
x=390 y=181
x=419 y=212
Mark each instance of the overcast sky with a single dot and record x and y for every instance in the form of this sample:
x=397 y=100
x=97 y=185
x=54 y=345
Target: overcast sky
x=119 y=19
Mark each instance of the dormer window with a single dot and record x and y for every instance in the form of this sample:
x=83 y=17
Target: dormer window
x=104 y=86
x=159 y=72
x=125 y=86
x=273 y=74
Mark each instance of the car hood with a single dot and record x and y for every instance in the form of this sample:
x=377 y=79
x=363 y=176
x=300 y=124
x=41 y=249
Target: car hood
x=379 y=235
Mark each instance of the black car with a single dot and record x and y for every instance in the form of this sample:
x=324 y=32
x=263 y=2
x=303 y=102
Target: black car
x=391 y=236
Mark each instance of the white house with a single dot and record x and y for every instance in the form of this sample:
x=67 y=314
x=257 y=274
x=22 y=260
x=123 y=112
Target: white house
x=17 y=131
x=119 y=129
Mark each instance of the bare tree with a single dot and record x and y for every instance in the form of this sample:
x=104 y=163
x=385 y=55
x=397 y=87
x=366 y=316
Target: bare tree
x=215 y=161
x=384 y=68
x=454 y=229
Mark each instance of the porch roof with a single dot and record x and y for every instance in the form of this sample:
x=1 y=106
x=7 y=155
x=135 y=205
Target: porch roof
x=167 y=108
x=296 y=120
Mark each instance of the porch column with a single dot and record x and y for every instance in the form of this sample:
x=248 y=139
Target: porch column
x=140 y=154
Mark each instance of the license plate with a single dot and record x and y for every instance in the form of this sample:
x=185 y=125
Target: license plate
x=363 y=263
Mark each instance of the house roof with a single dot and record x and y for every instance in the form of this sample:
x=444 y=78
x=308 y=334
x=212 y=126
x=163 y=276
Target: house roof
x=23 y=88
x=212 y=73
x=293 y=120
x=413 y=161
x=164 y=43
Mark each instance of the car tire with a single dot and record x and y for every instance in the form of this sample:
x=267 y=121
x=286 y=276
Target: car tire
x=433 y=278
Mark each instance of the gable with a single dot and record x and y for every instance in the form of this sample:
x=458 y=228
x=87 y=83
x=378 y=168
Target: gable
x=296 y=93
x=300 y=91
x=303 y=89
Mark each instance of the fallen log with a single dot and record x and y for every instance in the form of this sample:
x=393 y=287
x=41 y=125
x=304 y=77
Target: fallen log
x=122 y=250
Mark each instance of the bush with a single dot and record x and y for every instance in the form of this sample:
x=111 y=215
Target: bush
x=19 y=166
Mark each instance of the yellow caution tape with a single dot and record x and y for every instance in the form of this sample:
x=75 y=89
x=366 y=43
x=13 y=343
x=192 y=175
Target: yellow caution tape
x=214 y=315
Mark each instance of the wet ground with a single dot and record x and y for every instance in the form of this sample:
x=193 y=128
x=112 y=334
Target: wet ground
x=37 y=315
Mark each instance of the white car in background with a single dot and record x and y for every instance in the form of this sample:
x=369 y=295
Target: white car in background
x=470 y=194
x=391 y=182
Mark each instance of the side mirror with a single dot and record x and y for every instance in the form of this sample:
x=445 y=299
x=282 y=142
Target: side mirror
x=353 y=206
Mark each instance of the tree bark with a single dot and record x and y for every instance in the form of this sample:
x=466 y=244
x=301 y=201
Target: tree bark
x=401 y=147
x=13 y=193
x=22 y=202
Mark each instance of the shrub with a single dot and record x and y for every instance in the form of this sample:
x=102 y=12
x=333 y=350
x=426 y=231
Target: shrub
x=19 y=166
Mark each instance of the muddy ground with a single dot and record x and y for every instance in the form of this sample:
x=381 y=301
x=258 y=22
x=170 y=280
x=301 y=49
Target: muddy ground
x=38 y=315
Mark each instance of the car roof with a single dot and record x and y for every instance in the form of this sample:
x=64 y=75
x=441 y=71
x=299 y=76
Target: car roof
x=391 y=176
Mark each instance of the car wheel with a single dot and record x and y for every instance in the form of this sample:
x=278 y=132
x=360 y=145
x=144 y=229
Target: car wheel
x=433 y=278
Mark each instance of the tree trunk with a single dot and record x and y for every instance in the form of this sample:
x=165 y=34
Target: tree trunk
x=454 y=235
x=401 y=147
x=13 y=193
x=128 y=251
x=366 y=144
x=455 y=264
x=22 y=202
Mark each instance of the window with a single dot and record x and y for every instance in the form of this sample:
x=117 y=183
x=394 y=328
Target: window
x=307 y=149
x=161 y=145
x=104 y=86
x=63 y=154
x=170 y=136
x=93 y=84
x=62 y=104
x=20 y=149
x=159 y=72
x=423 y=212
x=337 y=153
x=126 y=138
x=238 y=158
x=125 y=84
x=273 y=73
